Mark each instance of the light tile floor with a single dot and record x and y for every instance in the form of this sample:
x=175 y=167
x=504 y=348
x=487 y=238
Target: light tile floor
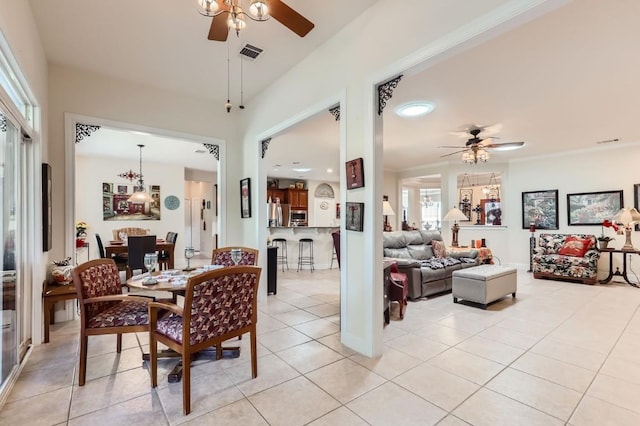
x=560 y=353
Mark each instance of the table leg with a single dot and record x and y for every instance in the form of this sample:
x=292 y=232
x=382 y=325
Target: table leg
x=606 y=280
x=624 y=270
x=47 y=320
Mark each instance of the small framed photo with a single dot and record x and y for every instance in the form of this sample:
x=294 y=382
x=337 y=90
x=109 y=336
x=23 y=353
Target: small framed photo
x=592 y=208
x=540 y=208
x=122 y=189
x=355 y=173
x=337 y=210
x=354 y=216
x=245 y=198
x=490 y=212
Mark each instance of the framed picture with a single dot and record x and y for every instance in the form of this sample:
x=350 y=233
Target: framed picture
x=466 y=200
x=337 y=210
x=490 y=212
x=245 y=198
x=592 y=208
x=46 y=207
x=540 y=208
x=355 y=216
x=636 y=200
x=122 y=189
x=355 y=174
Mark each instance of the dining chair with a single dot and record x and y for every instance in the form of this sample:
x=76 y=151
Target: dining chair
x=218 y=305
x=222 y=256
x=137 y=247
x=164 y=255
x=129 y=232
x=121 y=261
x=103 y=307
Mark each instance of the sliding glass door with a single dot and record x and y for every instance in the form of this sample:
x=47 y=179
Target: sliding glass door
x=9 y=250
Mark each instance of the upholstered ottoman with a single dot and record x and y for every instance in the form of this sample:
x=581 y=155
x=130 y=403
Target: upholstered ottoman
x=484 y=284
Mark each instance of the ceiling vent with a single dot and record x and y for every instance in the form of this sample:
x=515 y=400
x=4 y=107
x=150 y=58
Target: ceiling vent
x=250 y=52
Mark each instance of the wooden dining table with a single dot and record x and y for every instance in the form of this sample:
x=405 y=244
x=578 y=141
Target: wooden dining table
x=161 y=245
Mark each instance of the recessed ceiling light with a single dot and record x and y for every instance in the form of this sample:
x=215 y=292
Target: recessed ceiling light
x=277 y=165
x=329 y=170
x=414 y=108
x=301 y=169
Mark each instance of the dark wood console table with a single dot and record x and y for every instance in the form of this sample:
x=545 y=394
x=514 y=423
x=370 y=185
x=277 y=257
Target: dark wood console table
x=617 y=272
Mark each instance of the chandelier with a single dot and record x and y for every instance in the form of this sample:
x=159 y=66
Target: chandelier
x=258 y=11
x=140 y=195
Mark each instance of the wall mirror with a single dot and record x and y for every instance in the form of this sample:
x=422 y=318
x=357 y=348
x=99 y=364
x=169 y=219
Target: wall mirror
x=479 y=198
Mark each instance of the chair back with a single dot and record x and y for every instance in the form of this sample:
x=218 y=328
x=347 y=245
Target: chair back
x=98 y=277
x=220 y=302
x=129 y=232
x=137 y=247
x=173 y=238
x=336 y=244
x=222 y=256
x=100 y=246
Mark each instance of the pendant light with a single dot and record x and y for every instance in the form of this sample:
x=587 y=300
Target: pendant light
x=140 y=196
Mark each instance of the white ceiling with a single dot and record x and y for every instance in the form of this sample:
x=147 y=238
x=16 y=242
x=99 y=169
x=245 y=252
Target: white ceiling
x=561 y=82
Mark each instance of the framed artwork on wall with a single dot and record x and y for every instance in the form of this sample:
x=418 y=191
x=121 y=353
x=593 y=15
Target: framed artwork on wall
x=592 y=208
x=490 y=212
x=540 y=208
x=46 y=207
x=245 y=198
x=355 y=173
x=354 y=216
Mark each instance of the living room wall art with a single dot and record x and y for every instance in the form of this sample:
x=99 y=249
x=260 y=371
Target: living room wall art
x=592 y=208
x=355 y=173
x=354 y=216
x=116 y=205
x=490 y=212
x=540 y=208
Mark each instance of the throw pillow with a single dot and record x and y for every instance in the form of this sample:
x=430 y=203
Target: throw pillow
x=574 y=246
x=439 y=249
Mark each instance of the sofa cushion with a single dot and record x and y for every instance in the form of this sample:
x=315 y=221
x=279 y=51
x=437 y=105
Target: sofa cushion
x=413 y=237
x=398 y=253
x=439 y=249
x=429 y=236
x=574 y=246
x=421 y=252
x=394 y=240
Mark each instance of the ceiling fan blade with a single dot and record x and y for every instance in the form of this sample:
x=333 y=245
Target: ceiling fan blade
x=461 y=134
x=219 y=29
x=453 y=153
x=290 y=18
x=450 y=146
x=505 y=146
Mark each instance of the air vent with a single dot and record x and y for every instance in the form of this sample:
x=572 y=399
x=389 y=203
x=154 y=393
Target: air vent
x=251 y=52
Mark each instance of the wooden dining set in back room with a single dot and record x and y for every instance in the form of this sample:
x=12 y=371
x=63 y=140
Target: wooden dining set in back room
x=209 y=305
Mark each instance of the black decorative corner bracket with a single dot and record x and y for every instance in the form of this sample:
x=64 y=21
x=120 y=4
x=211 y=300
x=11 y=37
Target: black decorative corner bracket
x=265 y=146
x=385 y=92
x=3 y=123
x=335 y=111
x=213 y=149
x=84 y=131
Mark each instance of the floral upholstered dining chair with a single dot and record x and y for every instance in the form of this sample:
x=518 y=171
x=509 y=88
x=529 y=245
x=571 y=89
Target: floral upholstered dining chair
x=218 y=305
x=103 y=307
x=222 y=256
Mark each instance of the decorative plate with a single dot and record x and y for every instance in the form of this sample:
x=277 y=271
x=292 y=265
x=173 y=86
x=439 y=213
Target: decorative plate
x=172 y=202
x=324 y=205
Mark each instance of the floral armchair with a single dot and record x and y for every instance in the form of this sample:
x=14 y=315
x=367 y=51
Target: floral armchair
x=548 y=262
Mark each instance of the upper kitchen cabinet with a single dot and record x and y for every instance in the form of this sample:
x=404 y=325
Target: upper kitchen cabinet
x=274 y=193
x=298 y=198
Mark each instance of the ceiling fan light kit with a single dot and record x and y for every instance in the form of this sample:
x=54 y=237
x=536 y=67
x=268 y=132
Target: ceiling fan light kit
x=476 y=147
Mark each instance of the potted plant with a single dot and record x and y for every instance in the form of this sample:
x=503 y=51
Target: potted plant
x=603 y=240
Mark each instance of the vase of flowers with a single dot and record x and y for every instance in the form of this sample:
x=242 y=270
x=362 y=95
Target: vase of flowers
x=81 y=229
x=603 y=240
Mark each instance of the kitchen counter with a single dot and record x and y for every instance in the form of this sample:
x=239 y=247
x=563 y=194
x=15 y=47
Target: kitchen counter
x=322 y=243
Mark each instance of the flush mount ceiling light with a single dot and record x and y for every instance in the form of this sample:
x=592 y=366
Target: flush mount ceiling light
x=301 y=169
x=414 y=109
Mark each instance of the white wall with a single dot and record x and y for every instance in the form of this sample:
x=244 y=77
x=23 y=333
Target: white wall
x=91 y=172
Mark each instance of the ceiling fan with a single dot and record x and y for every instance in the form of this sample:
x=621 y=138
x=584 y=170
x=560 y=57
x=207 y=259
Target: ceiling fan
x=229 y=15
x=476 y=146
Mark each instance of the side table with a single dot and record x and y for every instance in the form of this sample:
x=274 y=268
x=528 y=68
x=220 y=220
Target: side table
x=52 y=293
x=617 y=272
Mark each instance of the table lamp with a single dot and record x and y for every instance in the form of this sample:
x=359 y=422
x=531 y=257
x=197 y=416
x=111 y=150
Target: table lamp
x=627 y=217
x=455 y=214
x=387 y=211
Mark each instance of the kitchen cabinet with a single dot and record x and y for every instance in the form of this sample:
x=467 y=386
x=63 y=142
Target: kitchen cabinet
x=274 y=193
x=298 y=198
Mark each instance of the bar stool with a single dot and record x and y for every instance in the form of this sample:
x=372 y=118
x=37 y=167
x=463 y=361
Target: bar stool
x=305 y=260
x=282 y=258
x=334 y=256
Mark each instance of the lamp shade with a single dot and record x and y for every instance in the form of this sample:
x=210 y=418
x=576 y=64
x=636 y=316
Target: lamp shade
x=140 y=196
x=454 y=214
x=627 y=216
x=386 y=209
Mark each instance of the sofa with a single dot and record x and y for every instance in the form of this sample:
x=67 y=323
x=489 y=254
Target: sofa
x=413 y=251
x=551 y=261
